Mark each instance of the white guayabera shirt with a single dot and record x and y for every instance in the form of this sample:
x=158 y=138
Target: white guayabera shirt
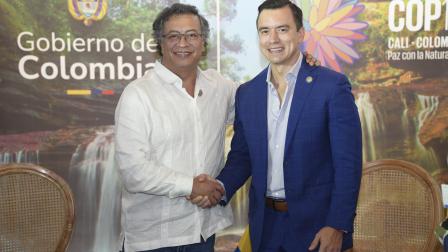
x=164 y=138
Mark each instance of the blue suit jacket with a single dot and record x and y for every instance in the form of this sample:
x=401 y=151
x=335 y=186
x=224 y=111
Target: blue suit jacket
x=323 y=154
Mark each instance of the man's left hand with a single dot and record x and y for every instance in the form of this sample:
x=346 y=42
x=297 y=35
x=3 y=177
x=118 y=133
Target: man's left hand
x=330 y=240
x=311 y=60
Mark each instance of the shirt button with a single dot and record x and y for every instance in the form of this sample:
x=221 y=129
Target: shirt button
x=276 y=146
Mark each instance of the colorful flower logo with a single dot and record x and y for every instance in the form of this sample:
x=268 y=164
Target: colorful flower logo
x=332 y=29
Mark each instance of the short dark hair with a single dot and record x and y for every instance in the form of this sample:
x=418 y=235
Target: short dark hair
x=277 y=4
x=174 y=10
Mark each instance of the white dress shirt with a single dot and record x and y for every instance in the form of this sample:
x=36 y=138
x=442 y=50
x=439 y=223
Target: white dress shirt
x=164 y=138
x=278 y=114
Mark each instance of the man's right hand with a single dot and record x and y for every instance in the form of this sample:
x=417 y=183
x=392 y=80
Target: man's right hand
x=206 y=192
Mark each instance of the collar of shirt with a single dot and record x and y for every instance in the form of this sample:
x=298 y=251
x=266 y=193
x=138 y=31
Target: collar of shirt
x=169 y=77
x=291 y=76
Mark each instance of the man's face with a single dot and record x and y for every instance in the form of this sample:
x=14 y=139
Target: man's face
x=278 y=36
x=182 y=43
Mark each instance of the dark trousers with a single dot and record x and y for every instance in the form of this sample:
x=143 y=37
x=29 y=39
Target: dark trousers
x=278 y=235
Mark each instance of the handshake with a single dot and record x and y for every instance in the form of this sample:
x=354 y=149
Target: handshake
x=206 y=192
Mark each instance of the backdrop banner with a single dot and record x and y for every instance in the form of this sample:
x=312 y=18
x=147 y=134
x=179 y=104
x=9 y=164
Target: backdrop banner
x=65 y=63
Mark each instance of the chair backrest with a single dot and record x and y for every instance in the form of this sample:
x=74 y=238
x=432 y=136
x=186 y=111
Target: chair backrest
x=36 y=209
x=398 y=208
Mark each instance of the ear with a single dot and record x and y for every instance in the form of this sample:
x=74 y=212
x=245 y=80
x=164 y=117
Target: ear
x=204 y=50
x=162 y=48
x=301 y=32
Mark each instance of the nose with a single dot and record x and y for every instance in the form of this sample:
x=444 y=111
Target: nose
x=273 y=36
x=183 y=40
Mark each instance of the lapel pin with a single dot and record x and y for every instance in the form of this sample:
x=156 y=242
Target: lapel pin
x=309 y=79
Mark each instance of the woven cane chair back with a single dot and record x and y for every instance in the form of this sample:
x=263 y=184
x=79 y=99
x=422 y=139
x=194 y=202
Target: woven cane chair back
x=399 y=206
x=36 y=210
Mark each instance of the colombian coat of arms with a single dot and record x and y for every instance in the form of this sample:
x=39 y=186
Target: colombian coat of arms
x=87 y=11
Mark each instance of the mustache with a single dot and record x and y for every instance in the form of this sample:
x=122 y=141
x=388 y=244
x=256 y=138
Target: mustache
x=182 y=51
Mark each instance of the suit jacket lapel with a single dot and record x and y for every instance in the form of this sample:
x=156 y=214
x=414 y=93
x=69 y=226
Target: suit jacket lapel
x=301 y=92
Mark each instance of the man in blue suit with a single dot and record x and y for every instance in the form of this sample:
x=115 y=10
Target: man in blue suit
x=298 y=134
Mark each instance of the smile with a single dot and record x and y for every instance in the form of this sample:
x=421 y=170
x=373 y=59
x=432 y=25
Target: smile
x=276 y=50
x=182 y=54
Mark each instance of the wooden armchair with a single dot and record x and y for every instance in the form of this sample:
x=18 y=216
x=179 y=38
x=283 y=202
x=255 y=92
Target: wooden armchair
x=399 y=206
x=36 y=209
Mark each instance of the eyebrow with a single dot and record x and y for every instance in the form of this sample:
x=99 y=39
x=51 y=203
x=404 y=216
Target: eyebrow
x=175 y=31
x=276 y=27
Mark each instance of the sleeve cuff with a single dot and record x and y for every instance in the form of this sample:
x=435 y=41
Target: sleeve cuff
x=223 y=200
x=183 y=185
